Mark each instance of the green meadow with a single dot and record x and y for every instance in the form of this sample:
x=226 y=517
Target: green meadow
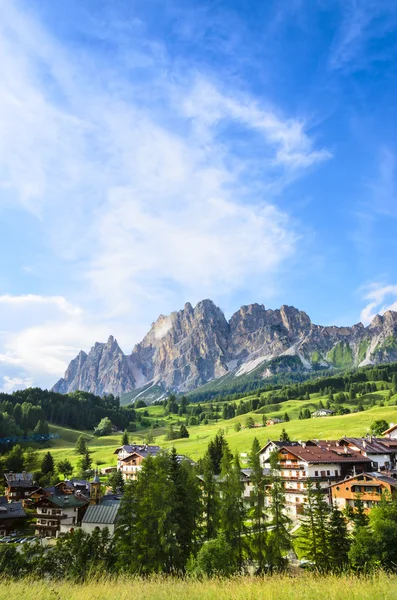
x=353 y=424
x=299 y=587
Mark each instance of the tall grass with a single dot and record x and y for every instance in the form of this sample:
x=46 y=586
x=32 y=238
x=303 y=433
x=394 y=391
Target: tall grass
x=302 y=587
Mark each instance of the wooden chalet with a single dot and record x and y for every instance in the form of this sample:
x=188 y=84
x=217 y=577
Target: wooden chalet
x=19 y=485
x=368 y=487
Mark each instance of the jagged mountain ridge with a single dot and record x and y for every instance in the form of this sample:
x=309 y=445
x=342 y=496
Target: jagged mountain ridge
x=193 y=346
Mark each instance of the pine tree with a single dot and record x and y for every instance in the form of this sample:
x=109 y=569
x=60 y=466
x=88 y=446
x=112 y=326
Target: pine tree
x=280 y=540
x=116 y=482
x=338 y=541
x=81 y=445
x=284 y=437
x=125 y=534
x=47 y=464
x=313 y=532
x=286 y=417
x=85 y=463
x=183 y=432
x=125 y=440
x=232 y=509
x=216 y=449
x=257 y=511
x=211 y=499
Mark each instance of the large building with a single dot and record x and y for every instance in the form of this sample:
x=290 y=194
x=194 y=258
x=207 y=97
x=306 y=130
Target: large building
x=19 y=485
x=370 y=488
x=321 y=462
x=57 y=514
x=131 y=457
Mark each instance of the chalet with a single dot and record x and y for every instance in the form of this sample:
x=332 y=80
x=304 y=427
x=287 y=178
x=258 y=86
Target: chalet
x=391 y=433
x=19 y=485
x=369 y=487
x=101 y=516
x=381 y=452
x=131 y=457
x=272 y=446
x=273 y=422
x=318 y=462
x=12 y=516
x=59 y=514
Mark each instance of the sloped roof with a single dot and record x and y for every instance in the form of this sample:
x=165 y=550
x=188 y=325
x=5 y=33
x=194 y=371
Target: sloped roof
x=142 y=449
x=319 y=455
x=369 y=445
x=20 y=480
x=66 y=500
x=11 y=510
x=372 y=475
x=101 y=514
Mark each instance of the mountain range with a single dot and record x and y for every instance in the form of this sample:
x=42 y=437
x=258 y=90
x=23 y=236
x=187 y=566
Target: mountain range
x=194 y=346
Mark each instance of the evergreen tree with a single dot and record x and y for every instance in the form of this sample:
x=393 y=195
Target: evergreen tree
x=47 y=464
x=257 y=511
x=42 y=427
x=232 y=509
x=183 y=432
x=125 y=440
x=313 y=532
x=85 y=463
x=280 y=540
x=81 y=445
x=216 y=449
x=338 y=541
x=125 y=533
x=286 y=417
x=284 y=437
x=211 y=499
x=116 y=482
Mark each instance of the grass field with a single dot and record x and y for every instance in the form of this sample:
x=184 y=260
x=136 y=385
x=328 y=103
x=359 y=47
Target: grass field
x=303 y=587
x=354 y=424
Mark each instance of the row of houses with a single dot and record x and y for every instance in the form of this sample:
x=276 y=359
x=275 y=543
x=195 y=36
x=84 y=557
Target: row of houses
x=57 y=509
x=342 y=469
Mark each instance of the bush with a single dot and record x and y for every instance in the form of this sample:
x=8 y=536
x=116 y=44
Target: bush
x=214 y=558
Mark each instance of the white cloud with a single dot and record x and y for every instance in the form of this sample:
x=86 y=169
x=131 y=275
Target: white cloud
x=10 y=384
x=377 y=295
x=143 y=197
x=31 y=300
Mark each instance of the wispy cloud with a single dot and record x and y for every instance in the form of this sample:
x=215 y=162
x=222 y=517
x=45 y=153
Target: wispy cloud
x=362 y=21
x=377 y=294
x=149 y=189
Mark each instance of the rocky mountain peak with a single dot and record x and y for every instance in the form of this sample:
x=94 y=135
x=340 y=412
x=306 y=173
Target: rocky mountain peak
x=192 y=346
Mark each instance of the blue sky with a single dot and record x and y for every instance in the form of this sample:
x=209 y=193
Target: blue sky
x=153 y=153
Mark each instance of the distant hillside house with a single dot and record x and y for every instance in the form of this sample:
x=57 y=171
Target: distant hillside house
x=19 y=485
x=12 y=516
x=370 y=487
x=322 y=412
x=131 y=457
x=273 y=421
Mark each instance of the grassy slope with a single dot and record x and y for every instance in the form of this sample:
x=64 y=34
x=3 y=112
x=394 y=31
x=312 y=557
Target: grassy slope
x=355 y=424
x=305 y=587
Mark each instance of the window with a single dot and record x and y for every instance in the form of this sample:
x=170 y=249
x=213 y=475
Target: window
x=328 y=473
x=315 y=473
x=336 y=473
